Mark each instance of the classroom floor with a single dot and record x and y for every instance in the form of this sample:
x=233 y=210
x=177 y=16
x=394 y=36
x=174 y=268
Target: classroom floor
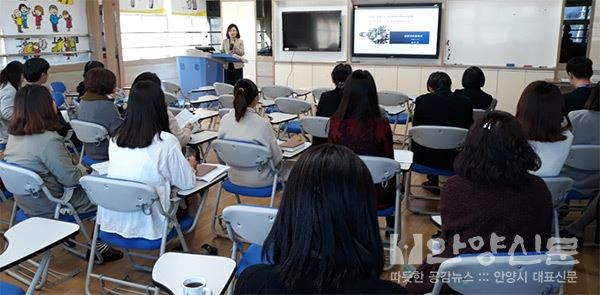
x=587 y=281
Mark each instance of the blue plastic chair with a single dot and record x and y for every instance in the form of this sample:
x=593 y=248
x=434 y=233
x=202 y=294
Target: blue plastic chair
x=238 y=154
x=59 y=99
x=292 y=106
x=130 y=196
x=10 y=289
x=58 y=86
x=585 y=158
x=89 y=133
x=433 y=137
x=248 y=224
x=24 y=183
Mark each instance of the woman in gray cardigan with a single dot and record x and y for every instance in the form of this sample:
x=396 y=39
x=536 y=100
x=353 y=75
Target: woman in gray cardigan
x=96 y=107
x=33 y=143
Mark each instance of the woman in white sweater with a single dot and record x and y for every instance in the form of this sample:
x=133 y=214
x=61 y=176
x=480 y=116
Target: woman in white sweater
x=245 y=124
x=145 y=151
x=543 y=116
x=11 y=79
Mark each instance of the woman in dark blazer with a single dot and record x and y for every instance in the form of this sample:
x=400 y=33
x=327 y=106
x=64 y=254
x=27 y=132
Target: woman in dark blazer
x=472 y=81
x=330 y=100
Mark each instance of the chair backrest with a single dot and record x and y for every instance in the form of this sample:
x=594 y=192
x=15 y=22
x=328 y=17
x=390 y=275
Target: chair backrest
x=226 y=101
x=119 y=195
x=251 y=223
x=584 y=157
x=483 y=278
x=59 y=98
x=223 y=88
x=381 y=169
x=171 y=87
x=315 y=126
x=19 y=180
x=275 y=91
x=318 y=91
x=438 y=137
x=478 y=114
x=292 y=105
x=242 y=154
x=493 y=104
x=559 y=187
x=170 y=98
x=391 y=98
x=223 y=112
x=58 y=86
x=88 y=132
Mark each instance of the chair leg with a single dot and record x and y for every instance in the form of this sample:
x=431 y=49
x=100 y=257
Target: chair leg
x=555 y=223
x=42 y=269
x=90 y=265
x=237 y=197
x=216 y=214
x=81 y=155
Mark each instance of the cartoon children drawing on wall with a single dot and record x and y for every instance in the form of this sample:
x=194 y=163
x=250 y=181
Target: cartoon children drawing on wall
x=66 y=2
x=68 y=19
x=54 y=17
x=18 y=20
x=70 y=46
x=192 y=4
x=24 y=13
x=38 y=11
x=38 y=47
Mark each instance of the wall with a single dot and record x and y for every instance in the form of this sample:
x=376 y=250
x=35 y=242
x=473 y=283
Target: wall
x=166 y=69
x=504 y=84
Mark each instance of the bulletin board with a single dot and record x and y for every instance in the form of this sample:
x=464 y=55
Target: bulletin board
x=56 y=30
x=503 y=33
x=143 y=6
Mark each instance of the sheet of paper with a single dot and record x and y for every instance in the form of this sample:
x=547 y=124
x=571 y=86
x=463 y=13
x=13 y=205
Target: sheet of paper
x=186 y=117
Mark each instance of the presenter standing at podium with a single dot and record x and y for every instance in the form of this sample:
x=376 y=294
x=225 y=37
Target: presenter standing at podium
x=233 y=45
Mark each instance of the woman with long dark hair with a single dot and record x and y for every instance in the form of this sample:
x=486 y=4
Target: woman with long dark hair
x=542 y=113
x=493 y=193
x=325 y=238
x=144 y=150
x=359 y=125
x=245 y=124
x=11 y=79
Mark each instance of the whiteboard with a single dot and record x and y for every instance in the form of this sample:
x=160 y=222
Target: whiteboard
x=497 y=33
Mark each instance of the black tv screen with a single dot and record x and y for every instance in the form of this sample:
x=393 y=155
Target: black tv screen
x=312 y=30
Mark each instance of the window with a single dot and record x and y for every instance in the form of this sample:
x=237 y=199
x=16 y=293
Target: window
x=152 y=36
x=263 y=28
x=576 y=22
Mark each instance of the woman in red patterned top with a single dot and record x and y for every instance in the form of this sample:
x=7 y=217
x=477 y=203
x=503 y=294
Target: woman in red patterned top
x=358 y=125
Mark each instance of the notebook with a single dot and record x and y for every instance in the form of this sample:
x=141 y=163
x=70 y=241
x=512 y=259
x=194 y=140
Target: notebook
x=291 y=145
x=186 y=117
x=208 y=172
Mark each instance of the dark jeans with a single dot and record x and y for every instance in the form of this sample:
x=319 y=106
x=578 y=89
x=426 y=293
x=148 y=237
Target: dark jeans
x=232 y=74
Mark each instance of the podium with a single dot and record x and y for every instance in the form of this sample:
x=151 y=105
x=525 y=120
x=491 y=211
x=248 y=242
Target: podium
x=199 y=69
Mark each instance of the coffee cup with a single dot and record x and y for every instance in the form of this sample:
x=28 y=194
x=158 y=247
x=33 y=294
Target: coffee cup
x=196 y=286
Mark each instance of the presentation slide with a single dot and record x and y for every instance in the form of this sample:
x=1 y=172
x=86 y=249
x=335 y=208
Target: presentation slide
x=396 y=31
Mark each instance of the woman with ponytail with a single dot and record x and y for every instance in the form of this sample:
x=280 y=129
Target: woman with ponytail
x=246 y=125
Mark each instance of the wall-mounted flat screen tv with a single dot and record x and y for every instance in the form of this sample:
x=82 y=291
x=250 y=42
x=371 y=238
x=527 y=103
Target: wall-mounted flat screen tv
x=312 y=30
x=403 y=30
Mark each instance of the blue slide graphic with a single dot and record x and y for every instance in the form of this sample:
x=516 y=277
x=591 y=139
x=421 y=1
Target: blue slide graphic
x=409 y=37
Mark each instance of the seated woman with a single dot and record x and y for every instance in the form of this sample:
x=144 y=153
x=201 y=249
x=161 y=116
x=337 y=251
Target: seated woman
x=245 y=124
x=330 y=100
x=472 y=81
x=493 y=194
x=183 y=134
x=325 y=238
x=143 y=150
x=358 y=125
x=97 y=107
x=541 y=112
x=92 y=64
x=34 y=144
x=585 y=132
x=11 y=79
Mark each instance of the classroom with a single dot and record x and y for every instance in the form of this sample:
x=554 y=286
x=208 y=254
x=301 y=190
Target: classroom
x=299 y=146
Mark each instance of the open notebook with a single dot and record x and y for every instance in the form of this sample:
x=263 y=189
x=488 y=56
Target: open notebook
x=186 y=117
x=211 y=173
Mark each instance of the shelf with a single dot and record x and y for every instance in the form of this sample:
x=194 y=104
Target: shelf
x=20 y=36
x=45 y=53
